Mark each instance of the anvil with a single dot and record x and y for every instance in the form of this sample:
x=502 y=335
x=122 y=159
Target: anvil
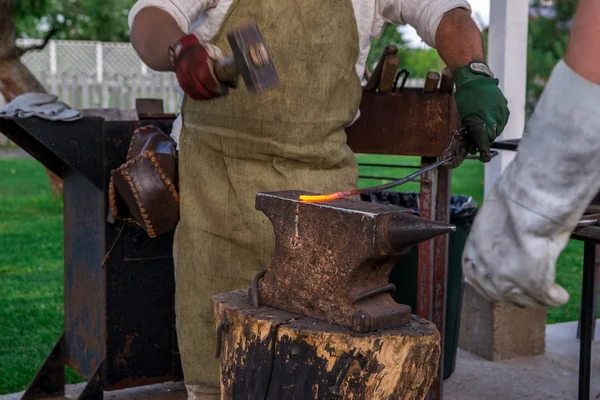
x=332 y=260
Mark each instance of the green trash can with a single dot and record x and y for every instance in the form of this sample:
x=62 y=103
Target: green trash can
x=404 y=274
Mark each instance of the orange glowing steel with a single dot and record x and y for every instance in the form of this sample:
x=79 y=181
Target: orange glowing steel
x=325 y=197
x=356 y=192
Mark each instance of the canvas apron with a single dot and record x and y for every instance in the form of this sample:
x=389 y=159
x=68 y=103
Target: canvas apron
x=291 y=137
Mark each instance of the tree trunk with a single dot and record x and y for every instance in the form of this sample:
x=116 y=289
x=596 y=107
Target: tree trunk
x=272 y=354
x=15 y=78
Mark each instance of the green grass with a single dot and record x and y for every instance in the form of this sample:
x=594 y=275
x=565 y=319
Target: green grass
x=31 y=291
x=31 y=272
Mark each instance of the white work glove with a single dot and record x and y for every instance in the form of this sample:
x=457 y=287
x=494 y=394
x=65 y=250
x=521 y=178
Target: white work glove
x=41 y=105
x=527 y=219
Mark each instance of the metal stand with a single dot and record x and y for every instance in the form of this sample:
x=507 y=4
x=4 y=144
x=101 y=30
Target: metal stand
x=596 y=289
x=119 y=319
x=50 y=378
x=588 y=319
x=433 y=260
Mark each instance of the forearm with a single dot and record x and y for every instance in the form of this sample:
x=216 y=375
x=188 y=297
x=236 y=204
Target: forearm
x=582 y=55
x=153 y=31
x=458 y=39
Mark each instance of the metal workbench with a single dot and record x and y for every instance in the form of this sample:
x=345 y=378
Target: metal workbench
x=119 y=319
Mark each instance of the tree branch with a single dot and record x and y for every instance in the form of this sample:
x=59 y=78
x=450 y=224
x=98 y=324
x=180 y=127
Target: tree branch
x=22 y=50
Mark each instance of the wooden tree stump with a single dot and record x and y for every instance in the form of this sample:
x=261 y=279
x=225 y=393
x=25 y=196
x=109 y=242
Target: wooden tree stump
x=272 y=354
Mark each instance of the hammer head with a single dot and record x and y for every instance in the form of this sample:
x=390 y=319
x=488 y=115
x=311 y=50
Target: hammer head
x=252 y=58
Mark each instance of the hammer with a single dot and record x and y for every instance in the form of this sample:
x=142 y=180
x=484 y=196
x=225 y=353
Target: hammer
x=250 y=58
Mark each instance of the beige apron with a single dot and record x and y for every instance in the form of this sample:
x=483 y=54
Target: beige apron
x=291 y=137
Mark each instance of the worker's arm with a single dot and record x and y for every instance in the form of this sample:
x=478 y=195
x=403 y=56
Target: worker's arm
x=482 y=107
x=158 y=27
x=528 y=217
x=152 y=44
x=447 y=26
x=458 y=39
x=582 y=53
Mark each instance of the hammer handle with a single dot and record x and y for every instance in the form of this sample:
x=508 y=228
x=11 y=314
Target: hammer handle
x=225 y=70
x=390 y=67
x=375 y=78
x=431 y=82
x=447 y=82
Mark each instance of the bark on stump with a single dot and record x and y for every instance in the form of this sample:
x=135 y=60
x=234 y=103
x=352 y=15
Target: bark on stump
x=272 y=354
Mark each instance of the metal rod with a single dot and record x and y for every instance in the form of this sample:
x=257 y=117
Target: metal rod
x=402 y=181
x=384 y=178
x=587 y=320
x=588 y=220
x=597 y=270
x=388 y=165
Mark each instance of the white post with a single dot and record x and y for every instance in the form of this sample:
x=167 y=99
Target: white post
x=507 y=56
x=53 y=68
x=99 y=62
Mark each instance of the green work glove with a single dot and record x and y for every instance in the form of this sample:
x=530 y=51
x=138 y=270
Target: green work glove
x=482 y=108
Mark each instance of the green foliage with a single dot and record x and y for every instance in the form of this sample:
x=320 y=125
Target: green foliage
x=547 y=43
x=104 y=20
x=417 y=61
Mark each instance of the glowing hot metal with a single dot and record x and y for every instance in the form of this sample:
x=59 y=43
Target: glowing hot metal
x=355 y=192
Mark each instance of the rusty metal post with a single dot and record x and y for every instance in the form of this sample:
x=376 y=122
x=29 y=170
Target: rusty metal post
x=440 y=271
x=426 y=250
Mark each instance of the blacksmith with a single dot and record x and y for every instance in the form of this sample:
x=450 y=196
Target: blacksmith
x=291 y=137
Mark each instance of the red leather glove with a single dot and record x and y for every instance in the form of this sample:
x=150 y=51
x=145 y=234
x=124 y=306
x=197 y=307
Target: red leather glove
x=194 y=70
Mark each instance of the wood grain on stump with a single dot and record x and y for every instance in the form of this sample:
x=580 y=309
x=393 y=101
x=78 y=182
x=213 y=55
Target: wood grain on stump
x=272 y=354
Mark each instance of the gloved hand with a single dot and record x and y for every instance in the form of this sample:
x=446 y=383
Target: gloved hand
x=528 y=217
x=482 y=108
x=194 y=67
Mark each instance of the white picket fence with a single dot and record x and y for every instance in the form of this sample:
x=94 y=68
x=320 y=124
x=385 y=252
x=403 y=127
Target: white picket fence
x=113 y=91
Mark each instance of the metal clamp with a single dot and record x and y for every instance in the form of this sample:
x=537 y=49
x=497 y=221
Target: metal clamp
x=402 y=72
x=254 y=288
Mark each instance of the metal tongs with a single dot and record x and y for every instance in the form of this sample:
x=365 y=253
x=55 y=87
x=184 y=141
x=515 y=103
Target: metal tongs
x=460 y=147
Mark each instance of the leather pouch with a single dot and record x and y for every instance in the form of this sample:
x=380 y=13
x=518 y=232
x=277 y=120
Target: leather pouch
x=146 y=184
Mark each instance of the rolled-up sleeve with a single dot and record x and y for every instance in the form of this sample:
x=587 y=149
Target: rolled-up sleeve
x=185 y=12
x=423 y=15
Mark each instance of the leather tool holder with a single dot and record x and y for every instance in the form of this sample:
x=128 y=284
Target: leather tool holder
x=146 y=184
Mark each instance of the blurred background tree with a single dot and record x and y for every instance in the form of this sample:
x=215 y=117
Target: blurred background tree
x=417 y=61
x=549 y=28
x=104 y=20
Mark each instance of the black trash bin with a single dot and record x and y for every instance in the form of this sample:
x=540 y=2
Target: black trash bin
x=404 y=274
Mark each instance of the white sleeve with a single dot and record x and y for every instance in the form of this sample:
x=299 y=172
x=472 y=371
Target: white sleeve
x=423 y=15
x=526 y=221
x=185 y=12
